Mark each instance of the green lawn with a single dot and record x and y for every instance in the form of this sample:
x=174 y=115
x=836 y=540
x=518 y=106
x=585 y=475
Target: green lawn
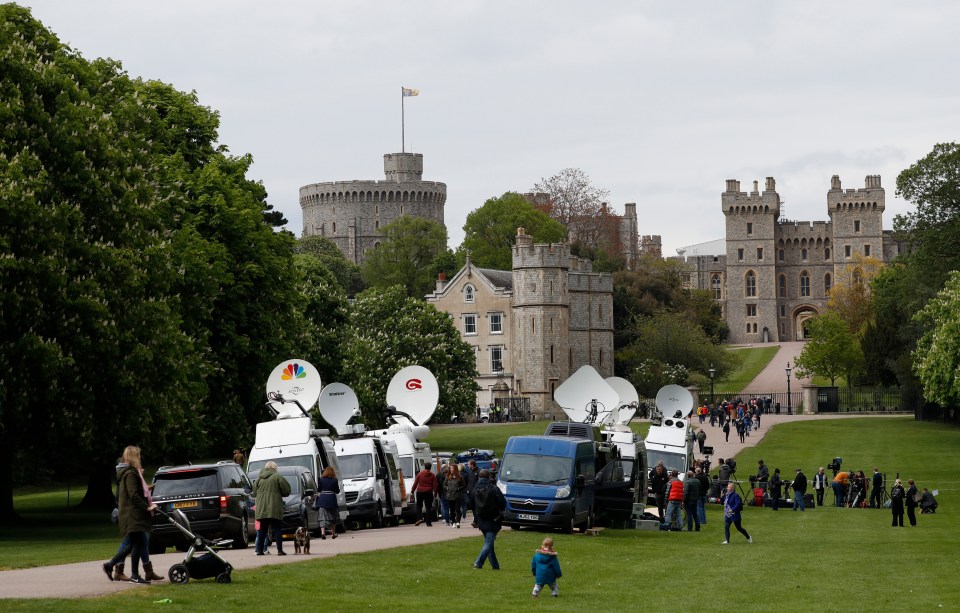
x=799 y=562
x=755 y=359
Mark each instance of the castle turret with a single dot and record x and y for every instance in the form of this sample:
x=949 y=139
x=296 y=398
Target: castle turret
x=857 y=216
x=751 y=221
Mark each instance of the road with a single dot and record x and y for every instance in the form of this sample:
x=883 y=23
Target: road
x=86 y=579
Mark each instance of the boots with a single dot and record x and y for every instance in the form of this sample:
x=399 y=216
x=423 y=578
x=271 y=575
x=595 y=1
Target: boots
x=118 y=573
x=148 y=573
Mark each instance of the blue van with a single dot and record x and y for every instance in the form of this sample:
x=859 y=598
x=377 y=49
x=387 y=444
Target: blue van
x=548 y=481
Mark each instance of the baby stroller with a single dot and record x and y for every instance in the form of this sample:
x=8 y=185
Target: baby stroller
x=210 y=564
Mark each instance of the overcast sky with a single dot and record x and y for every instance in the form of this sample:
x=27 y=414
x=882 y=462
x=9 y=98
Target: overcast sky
x=658 y=102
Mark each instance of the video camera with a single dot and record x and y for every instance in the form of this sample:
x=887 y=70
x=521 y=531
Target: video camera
x=733 y=465
x=753 y=479
x=835 y=465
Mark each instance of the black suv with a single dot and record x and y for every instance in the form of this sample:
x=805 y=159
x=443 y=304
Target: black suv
x=213 y=497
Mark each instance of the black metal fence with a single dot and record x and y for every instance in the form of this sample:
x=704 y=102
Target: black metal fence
x=773 y=402
x=514 y=408
x=864 y=400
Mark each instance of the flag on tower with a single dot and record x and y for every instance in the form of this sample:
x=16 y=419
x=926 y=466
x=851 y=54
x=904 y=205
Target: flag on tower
x=410 y=92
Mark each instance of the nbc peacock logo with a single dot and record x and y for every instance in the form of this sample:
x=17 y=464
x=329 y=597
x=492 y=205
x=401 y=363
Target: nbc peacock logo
x=293 y=371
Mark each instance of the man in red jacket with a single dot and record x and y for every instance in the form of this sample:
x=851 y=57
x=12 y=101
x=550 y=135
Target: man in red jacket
x=424 y=487
x=674 y=492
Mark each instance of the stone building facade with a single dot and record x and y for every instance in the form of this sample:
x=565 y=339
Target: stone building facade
x=352 y=213
x=534 y=326
x=775 y=273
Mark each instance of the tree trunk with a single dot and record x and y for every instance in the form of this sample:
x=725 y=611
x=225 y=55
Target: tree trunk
x=7 y=511
x=99 y=487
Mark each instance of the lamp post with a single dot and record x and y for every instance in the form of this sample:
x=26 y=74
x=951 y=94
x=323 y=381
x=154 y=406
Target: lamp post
x=712 y=372
x=789 y=399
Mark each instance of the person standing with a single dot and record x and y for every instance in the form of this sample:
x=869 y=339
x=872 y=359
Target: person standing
x=328 y=510
x=674 y=494
x=704 y=480
x=691 y=498
x=489 y=511
x=724 y=475
x=911 y=501
x=441 y=477
x=799 y=490
x=135 y=509
x=545 y=566
x=732 y=507
x=424 y=488
x=763 y=475
x=876 y=489
x=658 y=483
x=820 y=485
x=470 y=476
x=776 y=485
x=701 y=439
x=269 y=490
x=453 y=487
x=897 y=494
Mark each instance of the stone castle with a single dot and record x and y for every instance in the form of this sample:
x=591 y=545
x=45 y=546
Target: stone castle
x=534 y=326
x=775 y=273
x=352 y=213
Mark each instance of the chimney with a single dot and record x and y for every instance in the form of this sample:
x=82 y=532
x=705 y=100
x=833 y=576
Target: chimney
x=441 y=281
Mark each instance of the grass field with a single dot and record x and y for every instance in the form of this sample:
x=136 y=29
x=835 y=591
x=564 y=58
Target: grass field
x=826 y=559
x=755 y=359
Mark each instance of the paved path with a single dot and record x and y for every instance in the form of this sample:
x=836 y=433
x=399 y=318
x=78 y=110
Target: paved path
x=86 y=579
x=773 y=378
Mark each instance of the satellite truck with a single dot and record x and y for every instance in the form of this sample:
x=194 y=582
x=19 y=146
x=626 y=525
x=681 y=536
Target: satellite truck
x=379 y=466
x=670 y=438
x=585 y=469
x=291 y=439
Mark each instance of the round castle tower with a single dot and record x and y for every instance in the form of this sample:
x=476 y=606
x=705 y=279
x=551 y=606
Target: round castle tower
x=352 y=213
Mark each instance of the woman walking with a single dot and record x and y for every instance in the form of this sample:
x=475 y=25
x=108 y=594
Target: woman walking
x=328 y=511
x=269 y=490
x=135 y=510
x=732 y=506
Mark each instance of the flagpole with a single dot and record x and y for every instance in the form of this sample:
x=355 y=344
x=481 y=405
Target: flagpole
x=403 y=136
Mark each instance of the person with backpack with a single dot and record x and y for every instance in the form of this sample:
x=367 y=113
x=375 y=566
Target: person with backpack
x=424 y=487
x=489 y=505
x=897 y=496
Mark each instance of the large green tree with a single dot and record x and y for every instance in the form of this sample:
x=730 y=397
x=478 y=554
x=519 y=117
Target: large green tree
x=491 y=231
x=329 y=255
x=389 y=330
x=832 y=350
x=937 y=357
x=407 y=256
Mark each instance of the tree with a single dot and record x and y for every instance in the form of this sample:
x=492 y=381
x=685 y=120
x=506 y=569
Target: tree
x=850 y=293
x=491 y=230
x=389 y=330
x=831 y=351
x=580 y=206
x=937 y=357
x=329 y=255
x=667 y=347
x=932 y=231
x=406 y=256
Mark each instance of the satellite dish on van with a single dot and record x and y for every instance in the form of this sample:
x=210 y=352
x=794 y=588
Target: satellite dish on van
x=338 y=404
x=294 y=380
x=413 y=393
x=629 y=399
x=585 y=397
x=675 y=402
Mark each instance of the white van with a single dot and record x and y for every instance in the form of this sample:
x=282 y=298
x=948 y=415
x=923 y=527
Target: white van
x=413 y=455
x=293 y=441
x=371 y=480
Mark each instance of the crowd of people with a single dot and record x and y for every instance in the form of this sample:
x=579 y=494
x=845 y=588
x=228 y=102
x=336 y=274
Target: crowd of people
x=738 y=416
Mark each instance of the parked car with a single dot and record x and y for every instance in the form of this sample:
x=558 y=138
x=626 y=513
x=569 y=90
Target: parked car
x=298 y=505
x=484 y=458
x=214 y=497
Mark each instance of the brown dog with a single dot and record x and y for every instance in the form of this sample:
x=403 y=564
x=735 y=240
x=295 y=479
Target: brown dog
x=301 y=541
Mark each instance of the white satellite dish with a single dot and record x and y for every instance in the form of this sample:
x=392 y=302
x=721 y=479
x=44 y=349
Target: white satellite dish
x=338 y=404
x=629 y=399
x=584 y=392
x=674 y=402
x=413 y=392
x=294 y=380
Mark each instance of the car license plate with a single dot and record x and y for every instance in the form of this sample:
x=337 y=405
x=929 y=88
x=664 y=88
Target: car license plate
x=528 y=517
x=187 y=504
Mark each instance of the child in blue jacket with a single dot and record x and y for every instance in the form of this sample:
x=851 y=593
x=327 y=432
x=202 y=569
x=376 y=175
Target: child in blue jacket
x=545 y=566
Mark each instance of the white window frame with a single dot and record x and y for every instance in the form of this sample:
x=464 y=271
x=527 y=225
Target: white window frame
x=496 y=358
x=496 y=323
x=468 y=320
x=469 y=293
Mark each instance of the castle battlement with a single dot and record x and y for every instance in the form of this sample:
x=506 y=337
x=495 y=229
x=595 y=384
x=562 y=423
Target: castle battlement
x=590 y=281
x=526 y=254
x=736 y=202
x=804 y=229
